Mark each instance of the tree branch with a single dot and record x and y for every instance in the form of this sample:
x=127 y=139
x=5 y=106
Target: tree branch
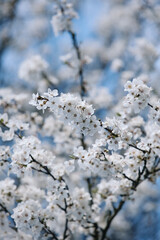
x=47 y=171
x=110 y=219
x=8 y=212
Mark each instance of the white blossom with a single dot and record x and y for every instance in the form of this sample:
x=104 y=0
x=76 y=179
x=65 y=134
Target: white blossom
x=62 y=20
x=7 y=192
x=70 y=109
x=33 y=68
x=26 y=215
x=138 y=95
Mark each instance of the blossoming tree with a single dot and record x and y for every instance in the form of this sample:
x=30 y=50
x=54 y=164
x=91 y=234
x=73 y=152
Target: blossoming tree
x=75 y=184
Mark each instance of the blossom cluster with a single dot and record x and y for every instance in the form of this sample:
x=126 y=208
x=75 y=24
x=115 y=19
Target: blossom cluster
x=26 y=216
x=33 y=68
x=138 y=95
x=69 y=108
x=67 y=171
x=10 y=126
x=62 y=20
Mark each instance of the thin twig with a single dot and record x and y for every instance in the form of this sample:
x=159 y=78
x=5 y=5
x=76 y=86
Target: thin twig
x=130 y=179
x=134 y=146
x=110 y=219
x=8 y=212
x=47 y=230
x=44 y=167
x=78 y=52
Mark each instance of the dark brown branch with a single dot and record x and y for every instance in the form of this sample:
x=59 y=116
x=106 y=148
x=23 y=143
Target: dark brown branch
x=2 y=124
x=83 y=141
x=39 y=170
x=150 y=105
x=6 y=40
x=130 y=179
x=47 y=230
x=111 y=132
x=82 y=93
x=80 y=72
x=47 y=171
x=142 y=175
x=90 y=189
x=8 y=212
x=134 y=146
x=110 y=219
x=5 y=209
x=155 y=108
x=65 y=235
x=129 y=144
x=78 y=52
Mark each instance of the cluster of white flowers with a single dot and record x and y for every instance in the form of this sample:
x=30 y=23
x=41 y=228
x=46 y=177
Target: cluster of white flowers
x=69 y=166
x=107 y=192
x=25 y=151
x=73 y=64
x=11 y=101
x=7 y=192
x=117 y=65
x=145 y=52
x=27 y=191
x=116 y=133
x=6 y=232
x=57 y=193
x=70 y=109
x=62 y=20
x=27 y=218
x=66 y=173
x=33 y=69
x=100 y=97
x=10 y=126
x=4 y=157
x=154 y=113
x=81 y=200
x=138 y=95
x=90 y=161
x=150 y=143
x=62 y=134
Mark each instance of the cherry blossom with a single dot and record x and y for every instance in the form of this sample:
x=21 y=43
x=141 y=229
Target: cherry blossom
x=80 y=136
